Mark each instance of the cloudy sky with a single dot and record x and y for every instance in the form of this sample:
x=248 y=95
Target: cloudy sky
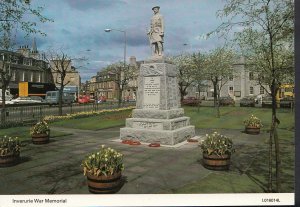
x=79 y=27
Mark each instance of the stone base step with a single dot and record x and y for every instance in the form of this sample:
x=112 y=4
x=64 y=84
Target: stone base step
x=166 y=137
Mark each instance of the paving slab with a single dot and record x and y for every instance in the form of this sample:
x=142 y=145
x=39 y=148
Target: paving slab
x=54 y=168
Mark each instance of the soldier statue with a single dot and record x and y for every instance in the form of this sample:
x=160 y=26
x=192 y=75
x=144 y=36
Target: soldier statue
x=156 y=33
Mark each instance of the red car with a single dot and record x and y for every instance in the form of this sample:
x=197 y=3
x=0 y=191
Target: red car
x=84 y=99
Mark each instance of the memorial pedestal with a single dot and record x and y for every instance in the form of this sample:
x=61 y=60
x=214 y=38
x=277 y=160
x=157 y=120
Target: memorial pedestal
x=158 y=116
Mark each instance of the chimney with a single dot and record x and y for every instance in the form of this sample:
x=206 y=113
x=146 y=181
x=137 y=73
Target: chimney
x=132 y=61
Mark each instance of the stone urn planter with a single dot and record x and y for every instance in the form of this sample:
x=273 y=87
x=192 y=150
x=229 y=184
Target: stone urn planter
x=9 y=151
x=215 y=162
x=252 y=130
x=103 y=170
x=40 y=133
x=216 y=151
x=104 y=184
x=42 y=138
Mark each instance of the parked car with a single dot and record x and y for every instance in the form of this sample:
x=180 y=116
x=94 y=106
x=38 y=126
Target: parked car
x=23 y=99
x=286 y=102
x=266 y=101
x=84 y=99
x=37 y=99
x=247 y=101
x=226 y=101
x=191 y=101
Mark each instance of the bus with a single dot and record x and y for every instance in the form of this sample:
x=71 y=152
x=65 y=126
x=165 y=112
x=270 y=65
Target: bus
x=285 y=90
x=35 y=89
x=285 y=96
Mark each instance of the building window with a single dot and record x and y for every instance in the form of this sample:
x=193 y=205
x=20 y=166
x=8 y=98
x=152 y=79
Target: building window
x=261 y=90
x=251 y=90
x=251 y=76
x=231 y=77
x=230 y=89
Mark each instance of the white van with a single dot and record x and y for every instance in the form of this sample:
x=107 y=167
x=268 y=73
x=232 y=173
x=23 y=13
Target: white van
x=52 y=97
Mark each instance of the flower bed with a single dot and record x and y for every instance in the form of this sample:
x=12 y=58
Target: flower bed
x=85 y=114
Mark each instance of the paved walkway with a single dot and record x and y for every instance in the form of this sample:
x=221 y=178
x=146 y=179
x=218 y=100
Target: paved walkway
x=55 y=168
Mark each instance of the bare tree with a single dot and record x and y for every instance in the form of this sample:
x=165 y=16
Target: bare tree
x=123 y=74
x=61 y=65
x=218 y=68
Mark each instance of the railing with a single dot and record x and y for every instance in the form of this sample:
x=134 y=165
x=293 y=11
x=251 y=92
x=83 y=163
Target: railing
x=22 y=115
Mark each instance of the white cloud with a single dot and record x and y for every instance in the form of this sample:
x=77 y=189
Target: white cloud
x=79 y=25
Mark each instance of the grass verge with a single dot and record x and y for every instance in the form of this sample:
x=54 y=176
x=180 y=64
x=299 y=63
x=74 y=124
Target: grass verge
x=98 y=122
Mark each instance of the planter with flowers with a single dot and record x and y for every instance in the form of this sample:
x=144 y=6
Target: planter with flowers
x=103 y=170
x=40 y=133
x=217 y=150
x=252 y=125
x=9 y=151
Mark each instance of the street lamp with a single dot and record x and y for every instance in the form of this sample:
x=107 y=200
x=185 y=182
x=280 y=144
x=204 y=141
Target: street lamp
x=125 y=40
x=120 y=75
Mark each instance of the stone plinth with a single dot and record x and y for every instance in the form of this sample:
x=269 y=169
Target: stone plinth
x=158 y=116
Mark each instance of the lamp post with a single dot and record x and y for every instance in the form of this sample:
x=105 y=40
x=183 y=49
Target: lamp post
x=120 y=75
x=125 y=41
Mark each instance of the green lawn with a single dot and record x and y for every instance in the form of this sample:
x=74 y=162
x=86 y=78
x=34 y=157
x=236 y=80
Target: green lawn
x=233 y=117
x=23 y=133
x=108 y=120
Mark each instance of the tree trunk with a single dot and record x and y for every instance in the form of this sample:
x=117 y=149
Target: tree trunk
x=275 y=122
x=278 y=161
x=120 y=97
x=60 y=102
x=182 y=92
x=218 y=102
x=198 y=104
x=3 y=104
x=215 y=94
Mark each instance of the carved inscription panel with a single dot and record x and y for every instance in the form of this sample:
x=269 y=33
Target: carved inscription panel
x=151 y=93
x=147 y=125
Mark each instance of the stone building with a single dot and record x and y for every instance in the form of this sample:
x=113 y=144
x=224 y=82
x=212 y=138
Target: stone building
x=27 y=65
x=242 y=83
x=90 y=87
x=129 y=93
x=106 y=86
x=72 y=79
x=103 y=84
